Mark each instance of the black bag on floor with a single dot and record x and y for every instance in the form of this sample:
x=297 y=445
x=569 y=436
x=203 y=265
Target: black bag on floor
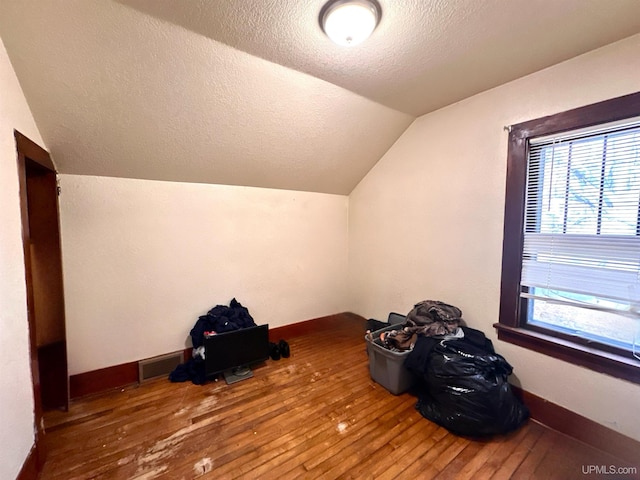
x=467 y=391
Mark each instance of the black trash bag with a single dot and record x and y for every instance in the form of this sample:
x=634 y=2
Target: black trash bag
x=467 y=392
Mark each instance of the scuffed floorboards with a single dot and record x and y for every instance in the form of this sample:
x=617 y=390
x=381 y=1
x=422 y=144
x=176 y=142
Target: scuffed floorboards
x=316 y=414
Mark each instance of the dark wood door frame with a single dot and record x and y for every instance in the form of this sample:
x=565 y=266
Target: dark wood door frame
x=34 y=161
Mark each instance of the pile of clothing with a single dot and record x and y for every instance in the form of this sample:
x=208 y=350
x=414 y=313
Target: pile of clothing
x=427 y=318
x=464 y=385
x=219 y=319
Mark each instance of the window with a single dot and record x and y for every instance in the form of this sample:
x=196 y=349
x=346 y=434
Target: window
x=571 y=253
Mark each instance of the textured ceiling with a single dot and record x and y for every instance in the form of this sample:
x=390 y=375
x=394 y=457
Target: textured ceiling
x=425 y=54
x=251 y=92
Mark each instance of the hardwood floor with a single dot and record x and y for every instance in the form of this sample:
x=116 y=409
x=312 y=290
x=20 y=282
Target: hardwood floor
x=316 y=414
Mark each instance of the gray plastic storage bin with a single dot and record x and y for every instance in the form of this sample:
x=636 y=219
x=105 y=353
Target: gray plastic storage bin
x=387 y=367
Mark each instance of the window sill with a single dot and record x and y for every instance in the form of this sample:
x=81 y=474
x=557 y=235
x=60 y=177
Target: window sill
x=603 y=362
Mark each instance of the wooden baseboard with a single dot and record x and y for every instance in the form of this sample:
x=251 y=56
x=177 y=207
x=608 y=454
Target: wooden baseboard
x=301 y=328
x=581 y=428
x=118 y=376
x=553 y=416
x=104 y=379
x=31 y=466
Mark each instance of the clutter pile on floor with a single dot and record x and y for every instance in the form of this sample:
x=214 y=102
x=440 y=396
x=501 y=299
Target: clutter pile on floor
x=220 y=319
x=461 y=381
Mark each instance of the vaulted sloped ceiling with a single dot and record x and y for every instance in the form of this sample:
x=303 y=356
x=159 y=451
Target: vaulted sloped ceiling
x=251 y=92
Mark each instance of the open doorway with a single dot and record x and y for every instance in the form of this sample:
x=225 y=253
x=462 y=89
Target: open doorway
x=43 y=270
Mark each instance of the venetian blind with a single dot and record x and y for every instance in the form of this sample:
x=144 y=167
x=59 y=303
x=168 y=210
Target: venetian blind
x=581 y=228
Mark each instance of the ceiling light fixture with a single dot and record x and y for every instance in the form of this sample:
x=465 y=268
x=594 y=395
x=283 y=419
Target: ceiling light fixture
x=350 y=22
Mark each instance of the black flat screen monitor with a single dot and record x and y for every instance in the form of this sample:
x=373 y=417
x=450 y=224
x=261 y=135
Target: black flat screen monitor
x=236 y=349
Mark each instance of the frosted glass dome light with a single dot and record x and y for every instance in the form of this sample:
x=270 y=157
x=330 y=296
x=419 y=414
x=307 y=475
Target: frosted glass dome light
x=349 y=22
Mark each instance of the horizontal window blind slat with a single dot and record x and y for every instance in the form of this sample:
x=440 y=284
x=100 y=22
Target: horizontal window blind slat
x=616 y=285
x=621 y=125
x=618 y=249
x=632 y=312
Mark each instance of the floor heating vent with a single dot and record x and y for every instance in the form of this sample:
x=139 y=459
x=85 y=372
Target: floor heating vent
x=159 y=366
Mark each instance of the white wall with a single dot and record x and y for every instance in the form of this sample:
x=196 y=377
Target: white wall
x=16 y=394
x=143 y=259
x=426 y=222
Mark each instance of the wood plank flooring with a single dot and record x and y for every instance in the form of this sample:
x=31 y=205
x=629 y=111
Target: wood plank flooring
x=316 y=414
